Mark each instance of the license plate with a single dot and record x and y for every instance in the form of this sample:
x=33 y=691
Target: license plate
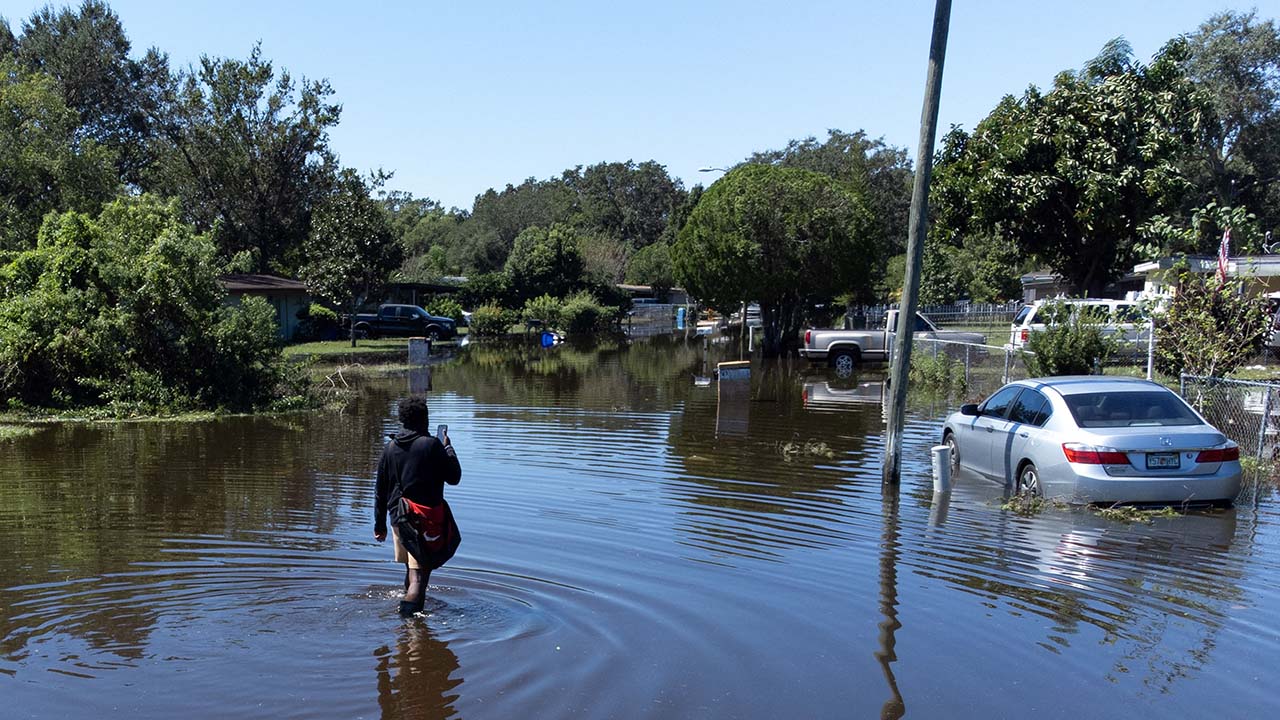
x=1162 y=460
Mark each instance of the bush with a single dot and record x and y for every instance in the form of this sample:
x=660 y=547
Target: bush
x=1072 y=342
x=938 y=372
x=1210 y=328
x=582 y=314
x=491 y=320
x=445 y=306
x=544 y=309
x=126 y=311
x=487 y=289
x=316 y=322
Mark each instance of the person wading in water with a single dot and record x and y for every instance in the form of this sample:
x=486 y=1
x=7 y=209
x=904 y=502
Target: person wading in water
x=411 y=477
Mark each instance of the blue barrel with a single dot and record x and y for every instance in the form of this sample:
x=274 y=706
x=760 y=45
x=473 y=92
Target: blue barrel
x=680 y=313
x=548 y=339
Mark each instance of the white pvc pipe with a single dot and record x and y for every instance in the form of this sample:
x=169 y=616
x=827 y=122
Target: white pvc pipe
x=941 y=468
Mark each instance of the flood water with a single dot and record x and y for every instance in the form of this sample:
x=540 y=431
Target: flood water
x=634 y=546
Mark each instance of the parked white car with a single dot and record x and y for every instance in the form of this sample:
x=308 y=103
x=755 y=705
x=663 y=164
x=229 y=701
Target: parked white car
x=1121 y=319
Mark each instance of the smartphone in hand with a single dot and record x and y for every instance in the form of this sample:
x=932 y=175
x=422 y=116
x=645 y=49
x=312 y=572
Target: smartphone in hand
x=442 y=434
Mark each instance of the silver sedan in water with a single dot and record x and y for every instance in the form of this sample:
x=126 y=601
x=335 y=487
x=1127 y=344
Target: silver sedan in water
x=1095 y=440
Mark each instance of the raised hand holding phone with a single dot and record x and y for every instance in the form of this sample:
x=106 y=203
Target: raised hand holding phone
x=442 y=434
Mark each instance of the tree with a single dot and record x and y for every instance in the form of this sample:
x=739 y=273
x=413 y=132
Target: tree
x=652 y=266
x=1235 y=60
x=631 y=203
x=781 y=236
x=350 y=253
x=1074 y=175
x=87 y=52
x=545 y=261
x=8 y=43
x=497 y=218
x=1210 y=327
x=44 y=165
x=882 y=173
x=247 y=152
x=604 y=258
x=126 y=310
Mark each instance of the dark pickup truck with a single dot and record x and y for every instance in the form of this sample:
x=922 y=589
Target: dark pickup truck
x=403 y=321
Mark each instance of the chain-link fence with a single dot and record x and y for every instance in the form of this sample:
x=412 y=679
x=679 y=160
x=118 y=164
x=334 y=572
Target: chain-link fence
x=646 y=319
x=976 y=369
x=1247 y=412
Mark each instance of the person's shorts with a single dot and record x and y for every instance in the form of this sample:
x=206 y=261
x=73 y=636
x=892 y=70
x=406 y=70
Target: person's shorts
x=402 y=555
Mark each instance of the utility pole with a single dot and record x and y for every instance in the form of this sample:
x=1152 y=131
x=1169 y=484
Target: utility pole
x=915 y=245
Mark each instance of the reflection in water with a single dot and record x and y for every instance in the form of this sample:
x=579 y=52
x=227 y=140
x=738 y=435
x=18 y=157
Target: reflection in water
x=623 y=558
x=895 y=707
x=416 y=678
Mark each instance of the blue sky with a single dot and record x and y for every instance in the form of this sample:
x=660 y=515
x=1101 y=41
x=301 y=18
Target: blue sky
x=456 y=98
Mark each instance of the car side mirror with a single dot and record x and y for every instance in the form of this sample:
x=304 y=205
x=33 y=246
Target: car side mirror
x=969 y=409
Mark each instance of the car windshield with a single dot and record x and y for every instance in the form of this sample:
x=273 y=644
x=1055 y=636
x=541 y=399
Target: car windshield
x=1126 y=409
x=1022 y=314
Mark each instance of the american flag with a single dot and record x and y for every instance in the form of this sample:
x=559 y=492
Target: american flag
x=1223 y=249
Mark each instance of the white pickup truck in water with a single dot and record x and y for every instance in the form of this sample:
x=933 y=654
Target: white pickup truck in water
x=843 y=349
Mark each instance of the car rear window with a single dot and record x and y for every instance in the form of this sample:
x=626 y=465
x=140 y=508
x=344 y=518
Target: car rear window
x=1126 y=409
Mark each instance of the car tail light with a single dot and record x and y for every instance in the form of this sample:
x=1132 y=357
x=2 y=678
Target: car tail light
x=1231 y=453
x=808 y=335
x=1090 y=455
x=1025 y=334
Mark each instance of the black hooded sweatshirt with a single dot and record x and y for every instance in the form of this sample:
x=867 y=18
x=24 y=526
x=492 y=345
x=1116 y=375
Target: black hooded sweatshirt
x=417 y=466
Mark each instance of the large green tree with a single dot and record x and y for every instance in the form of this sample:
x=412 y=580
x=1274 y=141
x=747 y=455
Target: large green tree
x=881 y=173
x=45 y=165
x=246 y=150
x=629 y=202
x=85 y=50
x=784 y=237
x=545 y=261
x=1075 y=175
x=1234 y=58
x=351 y=251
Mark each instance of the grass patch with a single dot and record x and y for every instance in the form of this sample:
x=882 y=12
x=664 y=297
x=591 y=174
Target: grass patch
x=793 y=449
x=343 y=347
x=1131 y=514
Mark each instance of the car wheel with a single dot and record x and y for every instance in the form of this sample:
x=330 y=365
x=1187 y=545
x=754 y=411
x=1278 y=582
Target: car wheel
x=845 y=362
x=950 y=442
x=363 y=332
x=433 y=334
x=1029 y=481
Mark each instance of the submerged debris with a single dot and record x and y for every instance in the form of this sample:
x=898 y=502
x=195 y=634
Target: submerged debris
x=814 y=448
x=1131 y=514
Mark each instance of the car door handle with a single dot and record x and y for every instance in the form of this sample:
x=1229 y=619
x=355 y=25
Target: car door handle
x=990 y=429
x=1023 y=435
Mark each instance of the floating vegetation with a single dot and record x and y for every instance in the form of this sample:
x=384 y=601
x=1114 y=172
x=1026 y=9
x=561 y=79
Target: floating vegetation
x=12 y=432
x=793 y=449
x=1025 y=505
x=1132 y=514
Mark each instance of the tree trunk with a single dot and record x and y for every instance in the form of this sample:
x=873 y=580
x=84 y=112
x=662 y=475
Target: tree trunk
x=781 y=325
x=351 y=323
